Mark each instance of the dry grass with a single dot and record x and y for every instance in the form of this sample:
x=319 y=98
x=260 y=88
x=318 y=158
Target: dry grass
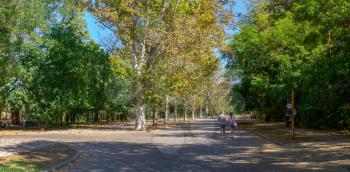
x=36 y=159
x=18 y=132
x=274 y=131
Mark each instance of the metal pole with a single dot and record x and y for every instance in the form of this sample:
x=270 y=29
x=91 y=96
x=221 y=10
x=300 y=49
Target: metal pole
x=292 y=116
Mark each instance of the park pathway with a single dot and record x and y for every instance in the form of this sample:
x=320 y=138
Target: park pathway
x=192 y=147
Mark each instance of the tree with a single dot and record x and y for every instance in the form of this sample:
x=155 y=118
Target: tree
x=52 y=71
x=20 y=27
x=294 y=45
x=145 y=29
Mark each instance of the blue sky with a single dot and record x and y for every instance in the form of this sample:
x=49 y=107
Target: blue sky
x=240 y=6
x=98 y=32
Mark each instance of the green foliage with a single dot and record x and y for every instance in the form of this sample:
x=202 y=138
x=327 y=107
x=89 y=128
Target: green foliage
x=300 y=45
x=51 y=70
x=71 y=75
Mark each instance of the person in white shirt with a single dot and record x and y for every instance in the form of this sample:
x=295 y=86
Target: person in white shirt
x=233 y=123
x=222 y=122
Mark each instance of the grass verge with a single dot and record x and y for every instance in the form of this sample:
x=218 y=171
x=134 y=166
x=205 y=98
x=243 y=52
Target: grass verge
x=36 y=159
x=274 y=131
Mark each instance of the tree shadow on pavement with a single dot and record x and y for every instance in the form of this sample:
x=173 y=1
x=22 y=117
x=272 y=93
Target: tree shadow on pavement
x=245 y=155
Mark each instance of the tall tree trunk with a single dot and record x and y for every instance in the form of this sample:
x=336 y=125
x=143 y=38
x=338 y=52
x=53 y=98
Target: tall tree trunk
x=138 y=61
x=1 y=117
x=175 y=110
x=61 y=121
x=201 y=112
x=86 y=116
x=207 y=104
x=66 y=118
x=193 y=113
x=140 y=121
x=155 y=117
x=139 y=106
x=185 y=116
x=75 y=117
x=152 y=115
x=166 y=109
x=96 y=118
x=206 y=110
x=193 y=107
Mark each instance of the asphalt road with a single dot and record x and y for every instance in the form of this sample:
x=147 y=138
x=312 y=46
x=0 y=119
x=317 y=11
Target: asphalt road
x=191 y=147
x=194 y=146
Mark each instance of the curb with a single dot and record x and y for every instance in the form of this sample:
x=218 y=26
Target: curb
x=62 y=164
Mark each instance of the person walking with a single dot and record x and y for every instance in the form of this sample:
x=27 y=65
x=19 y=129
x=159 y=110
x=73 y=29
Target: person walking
x=222 y=123
x=233 y=123
x=287 y=116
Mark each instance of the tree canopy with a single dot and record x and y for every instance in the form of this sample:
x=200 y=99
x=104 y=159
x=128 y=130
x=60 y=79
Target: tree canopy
x=299 y=45
x=52 y=71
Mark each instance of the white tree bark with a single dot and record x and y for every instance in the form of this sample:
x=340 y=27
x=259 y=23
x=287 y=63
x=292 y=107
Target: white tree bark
x=193 y=108
x=201 y=112
x=175 y=111
x=206 y=110
x=138 y=63
x=155 y=118
x=140 y=119
x=185 y=115
x=192 y=113
x=166 y=109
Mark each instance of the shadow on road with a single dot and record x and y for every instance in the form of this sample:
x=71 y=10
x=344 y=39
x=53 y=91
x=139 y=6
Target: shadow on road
x=189 y=147
x=195 y=147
